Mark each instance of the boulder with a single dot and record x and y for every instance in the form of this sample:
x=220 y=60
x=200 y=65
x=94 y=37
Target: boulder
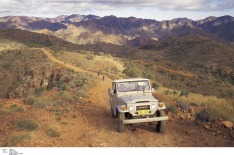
x=227 y=124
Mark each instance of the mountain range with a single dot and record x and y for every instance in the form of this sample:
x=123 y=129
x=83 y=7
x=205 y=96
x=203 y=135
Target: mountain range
x=159 y=50
x=91 y=29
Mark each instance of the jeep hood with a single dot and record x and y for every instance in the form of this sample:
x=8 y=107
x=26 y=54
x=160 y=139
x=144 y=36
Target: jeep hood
x=137 y=98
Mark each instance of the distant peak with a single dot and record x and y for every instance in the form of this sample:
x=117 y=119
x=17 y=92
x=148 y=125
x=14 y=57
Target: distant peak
x=111 y=16
x=184 y=19
x=226 y=17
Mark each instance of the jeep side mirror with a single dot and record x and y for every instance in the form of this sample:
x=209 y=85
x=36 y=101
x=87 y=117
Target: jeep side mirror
x=111 y=91
x=153 y=90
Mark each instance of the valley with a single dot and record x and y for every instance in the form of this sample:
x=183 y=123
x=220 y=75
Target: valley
x=51 y=93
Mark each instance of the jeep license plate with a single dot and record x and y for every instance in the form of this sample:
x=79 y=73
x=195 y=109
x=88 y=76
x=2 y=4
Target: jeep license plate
x=143 y=112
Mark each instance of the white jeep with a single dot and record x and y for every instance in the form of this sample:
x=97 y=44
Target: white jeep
x=132 y=102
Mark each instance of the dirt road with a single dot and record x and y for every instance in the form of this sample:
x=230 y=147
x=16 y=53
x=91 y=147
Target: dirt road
x=95 y=127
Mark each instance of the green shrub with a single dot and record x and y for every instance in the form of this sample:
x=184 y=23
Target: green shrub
x=53 y=132
x=18 y=109
x=133 y=72
x=89 y=57
x=167 y=92
x=64 y=123
x=162 y=71
x=13 y=109
x=74 y=116
x=80 y=83
x=155 y=84
x=39 y=91
x=65 y=87
x=184 y=93
x=220 y=111
x=203 y=116
x=70 y=70
x=13 y=106
x=27 y=124
x=67 y=97
x=170 y=107
x=174 y=92
x=42 y=102
x=6 y=65
x=19 y=137
x=173 y=76
x=30 y=101
x=82 y=93
x=58 y=118
x=182 y=105
x=4 y=111
x=114 y=69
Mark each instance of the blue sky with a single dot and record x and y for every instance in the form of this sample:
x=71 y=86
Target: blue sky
x=150 y=9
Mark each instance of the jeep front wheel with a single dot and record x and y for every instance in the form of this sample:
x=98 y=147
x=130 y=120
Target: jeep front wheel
x=161 y=125
x=121 y=126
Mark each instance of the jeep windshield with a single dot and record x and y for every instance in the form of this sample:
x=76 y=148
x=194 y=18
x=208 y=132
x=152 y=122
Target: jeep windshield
x=133 y=86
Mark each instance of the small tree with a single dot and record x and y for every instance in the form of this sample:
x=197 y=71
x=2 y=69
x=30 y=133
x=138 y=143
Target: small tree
x=155 y=84
x=167 y=92
x=133 y=72
x=184 y=93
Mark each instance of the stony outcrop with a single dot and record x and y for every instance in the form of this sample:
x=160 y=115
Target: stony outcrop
x=30 y=80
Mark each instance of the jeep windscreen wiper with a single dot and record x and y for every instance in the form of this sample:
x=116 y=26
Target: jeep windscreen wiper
x=133 y=86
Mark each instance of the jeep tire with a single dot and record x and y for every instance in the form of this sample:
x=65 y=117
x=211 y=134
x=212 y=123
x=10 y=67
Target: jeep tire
x=121 y=126
x=161 y=125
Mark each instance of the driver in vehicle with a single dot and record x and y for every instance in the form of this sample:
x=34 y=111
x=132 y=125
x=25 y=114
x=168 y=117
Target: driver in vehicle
x=140 y=87
x=121 y=88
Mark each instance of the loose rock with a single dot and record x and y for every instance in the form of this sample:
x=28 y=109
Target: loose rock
x=227 y=124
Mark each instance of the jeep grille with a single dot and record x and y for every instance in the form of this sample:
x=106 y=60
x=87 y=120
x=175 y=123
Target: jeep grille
x=144 y=107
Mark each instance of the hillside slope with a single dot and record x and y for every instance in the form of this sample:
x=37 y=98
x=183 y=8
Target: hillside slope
x=89 y=123
x=208 y=60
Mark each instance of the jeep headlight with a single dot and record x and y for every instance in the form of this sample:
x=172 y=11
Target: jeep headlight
x=153 y=106
x=132 y=108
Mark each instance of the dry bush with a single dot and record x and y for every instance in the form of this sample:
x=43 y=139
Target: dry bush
x=53 y=132
x=30 y=100
x=13 y=108
x=215 y=107
x=170 y=107
x=17 y=138
x=27 y=124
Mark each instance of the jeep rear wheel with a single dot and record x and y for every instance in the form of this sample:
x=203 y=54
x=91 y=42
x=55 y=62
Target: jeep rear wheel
x=121 y=126
x=161 y=125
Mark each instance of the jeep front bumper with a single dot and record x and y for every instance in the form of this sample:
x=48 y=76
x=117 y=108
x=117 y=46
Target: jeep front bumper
x=144 y=120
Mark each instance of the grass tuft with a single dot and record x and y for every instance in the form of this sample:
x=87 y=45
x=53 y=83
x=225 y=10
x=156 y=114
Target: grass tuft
x=170 y=107
x=27 y=124
x=214 y=107
x=53 y=132
x=30 y=100
x=15 y=139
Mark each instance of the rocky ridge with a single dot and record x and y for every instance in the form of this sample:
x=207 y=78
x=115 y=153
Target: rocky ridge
x=125 y=28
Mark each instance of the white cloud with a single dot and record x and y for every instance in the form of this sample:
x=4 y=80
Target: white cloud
x=58 y=7
x=180 y=5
